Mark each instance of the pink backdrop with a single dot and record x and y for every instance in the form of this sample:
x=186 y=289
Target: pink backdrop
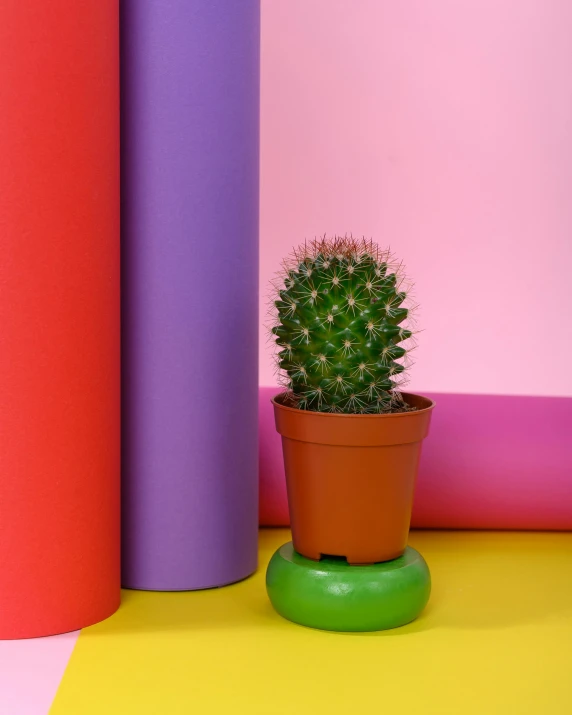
x=31 y=671
x=442 y=128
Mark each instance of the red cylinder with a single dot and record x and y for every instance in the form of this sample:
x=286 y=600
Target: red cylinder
x=59 y=315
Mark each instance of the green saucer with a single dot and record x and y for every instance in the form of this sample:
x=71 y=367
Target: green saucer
x=334 y=596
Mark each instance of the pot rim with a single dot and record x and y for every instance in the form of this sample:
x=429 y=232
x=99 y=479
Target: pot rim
x=276 y=401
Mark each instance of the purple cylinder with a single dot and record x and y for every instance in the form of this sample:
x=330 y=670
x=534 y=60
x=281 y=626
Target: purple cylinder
x=190 y=137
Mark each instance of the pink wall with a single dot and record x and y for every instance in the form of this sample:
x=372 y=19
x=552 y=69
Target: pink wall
x=444 y=129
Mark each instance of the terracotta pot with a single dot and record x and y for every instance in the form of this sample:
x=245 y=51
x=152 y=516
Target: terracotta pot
x=351 y=478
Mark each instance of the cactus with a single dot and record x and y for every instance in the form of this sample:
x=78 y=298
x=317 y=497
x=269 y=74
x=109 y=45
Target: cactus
x=341 y=328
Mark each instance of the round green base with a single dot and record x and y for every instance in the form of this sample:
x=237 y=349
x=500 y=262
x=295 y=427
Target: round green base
x=334 y=596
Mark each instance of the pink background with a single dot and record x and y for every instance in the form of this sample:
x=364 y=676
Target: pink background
x=30 y=673
x=443 y=129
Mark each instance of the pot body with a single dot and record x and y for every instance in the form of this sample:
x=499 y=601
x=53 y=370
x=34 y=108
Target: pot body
x=351 y=479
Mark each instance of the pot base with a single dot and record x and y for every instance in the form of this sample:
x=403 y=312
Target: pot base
x=332 y=595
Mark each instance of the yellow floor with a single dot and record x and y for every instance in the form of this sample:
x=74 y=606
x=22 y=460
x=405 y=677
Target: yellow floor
x=496 y=637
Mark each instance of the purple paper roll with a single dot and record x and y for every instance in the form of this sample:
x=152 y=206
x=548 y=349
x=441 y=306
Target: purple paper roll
x=190 y=136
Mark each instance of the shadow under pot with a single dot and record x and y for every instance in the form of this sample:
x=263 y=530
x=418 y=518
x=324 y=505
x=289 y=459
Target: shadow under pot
x=351 y=479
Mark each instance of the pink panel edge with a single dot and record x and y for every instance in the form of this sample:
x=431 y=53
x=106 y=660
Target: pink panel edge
x=31 y=671
x=490 y=462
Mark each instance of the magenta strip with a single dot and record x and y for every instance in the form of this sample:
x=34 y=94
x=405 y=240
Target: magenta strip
x=490 y=462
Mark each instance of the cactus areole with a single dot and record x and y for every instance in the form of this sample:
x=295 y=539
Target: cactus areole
x=342 y=332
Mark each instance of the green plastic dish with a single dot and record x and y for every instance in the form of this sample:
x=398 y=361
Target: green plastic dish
x=334 y=596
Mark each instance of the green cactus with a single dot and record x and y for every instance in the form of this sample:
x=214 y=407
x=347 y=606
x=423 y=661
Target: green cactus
x=340 y=328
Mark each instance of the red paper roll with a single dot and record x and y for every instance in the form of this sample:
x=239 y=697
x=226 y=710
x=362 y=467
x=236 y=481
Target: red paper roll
x=59 y=315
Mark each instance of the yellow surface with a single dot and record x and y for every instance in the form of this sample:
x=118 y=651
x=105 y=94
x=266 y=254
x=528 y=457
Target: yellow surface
x=495 y=638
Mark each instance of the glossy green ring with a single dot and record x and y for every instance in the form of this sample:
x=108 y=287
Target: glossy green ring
x=334 y=596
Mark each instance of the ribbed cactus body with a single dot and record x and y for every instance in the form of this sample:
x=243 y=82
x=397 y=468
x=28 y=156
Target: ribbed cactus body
x=340 y=327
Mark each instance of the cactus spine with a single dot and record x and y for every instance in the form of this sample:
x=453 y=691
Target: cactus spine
x=340 y=327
